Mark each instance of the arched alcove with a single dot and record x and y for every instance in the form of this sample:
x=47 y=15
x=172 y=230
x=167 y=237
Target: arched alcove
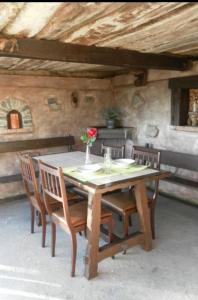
x=14 y=119
x=14 y=114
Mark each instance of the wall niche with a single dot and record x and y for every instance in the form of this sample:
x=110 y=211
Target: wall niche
x=184 y=101
x=15 y=116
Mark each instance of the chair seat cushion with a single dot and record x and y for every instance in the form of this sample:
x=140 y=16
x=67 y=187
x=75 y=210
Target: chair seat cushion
x=78 y=214
x=73 y=196
x=121 y=201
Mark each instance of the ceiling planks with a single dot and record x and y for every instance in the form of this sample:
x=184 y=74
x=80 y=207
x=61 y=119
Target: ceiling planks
x=9 y=12
x=126 y=19
x=32 y=18
x=146 y=27
x=72 y=17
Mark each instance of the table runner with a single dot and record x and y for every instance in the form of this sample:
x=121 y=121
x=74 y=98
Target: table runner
x=93 y=176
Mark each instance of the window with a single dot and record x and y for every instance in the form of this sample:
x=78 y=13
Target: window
x=14 y=120
x=184 y=101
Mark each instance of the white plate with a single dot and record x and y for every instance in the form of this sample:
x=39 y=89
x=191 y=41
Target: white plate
x=124 y=161
x=89 y=168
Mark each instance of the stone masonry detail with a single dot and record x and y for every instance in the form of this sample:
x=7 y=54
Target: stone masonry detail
x=10 y=104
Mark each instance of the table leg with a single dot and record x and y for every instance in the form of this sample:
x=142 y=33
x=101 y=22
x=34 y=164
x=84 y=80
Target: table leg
x=93 y=233
x=144 y=213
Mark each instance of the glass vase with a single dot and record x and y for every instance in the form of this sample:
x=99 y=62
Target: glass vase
x=88 y=155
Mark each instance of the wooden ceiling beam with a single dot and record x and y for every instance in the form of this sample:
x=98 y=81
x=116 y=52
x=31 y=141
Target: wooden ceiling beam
x=58 y=51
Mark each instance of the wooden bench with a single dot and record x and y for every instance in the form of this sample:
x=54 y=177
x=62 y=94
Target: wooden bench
x=24 y=145
x=172 y=161
x=182 y=161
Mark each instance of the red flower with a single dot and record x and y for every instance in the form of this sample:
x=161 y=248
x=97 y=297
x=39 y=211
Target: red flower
x=92 y=132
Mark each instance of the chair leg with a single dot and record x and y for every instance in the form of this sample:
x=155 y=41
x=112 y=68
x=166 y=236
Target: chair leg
x=130 y=220
x=38 y=218
x=110 y=229
x=74 y=251
x=126 y=224
x=53 y=238
x=152 y=217
x=32 y=218
x=43 y=222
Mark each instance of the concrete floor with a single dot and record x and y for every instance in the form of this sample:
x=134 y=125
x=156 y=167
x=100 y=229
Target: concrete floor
x=168 y=272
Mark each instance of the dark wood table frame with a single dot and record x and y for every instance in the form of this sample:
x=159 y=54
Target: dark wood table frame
x=94 y=253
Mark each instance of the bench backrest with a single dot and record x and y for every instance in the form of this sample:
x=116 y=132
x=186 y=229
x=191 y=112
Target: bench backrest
x=15 y=146
x=180 y=160
x=177 y=159
x=147 y=156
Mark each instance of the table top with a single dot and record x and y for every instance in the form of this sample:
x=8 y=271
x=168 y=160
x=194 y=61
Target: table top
x=77 y=158
x=67 y=159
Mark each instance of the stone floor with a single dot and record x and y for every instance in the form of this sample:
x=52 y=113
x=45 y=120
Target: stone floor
x=168 y=272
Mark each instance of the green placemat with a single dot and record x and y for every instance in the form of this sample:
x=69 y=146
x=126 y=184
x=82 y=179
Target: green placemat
x=115 y=170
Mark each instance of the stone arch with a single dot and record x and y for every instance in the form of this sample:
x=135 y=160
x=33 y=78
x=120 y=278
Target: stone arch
x=15 y=104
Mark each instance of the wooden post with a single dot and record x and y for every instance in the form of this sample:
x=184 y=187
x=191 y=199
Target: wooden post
x=144 y=214
x=93 y=233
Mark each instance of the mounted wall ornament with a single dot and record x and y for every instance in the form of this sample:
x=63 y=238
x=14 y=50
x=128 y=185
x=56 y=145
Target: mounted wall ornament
x=74 y=99
x=89 y=99
x=141 y=78
x=151 y=130
x=53 y=103
x=137 y=100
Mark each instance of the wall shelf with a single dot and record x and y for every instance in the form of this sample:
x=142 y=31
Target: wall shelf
x=115 y=133
x=193 y=129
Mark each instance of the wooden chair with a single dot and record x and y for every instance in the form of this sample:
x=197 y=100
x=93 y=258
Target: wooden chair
x=116 y=151
x=32 y=154
x=72 y=219
x=124 y=202
x=33 y=192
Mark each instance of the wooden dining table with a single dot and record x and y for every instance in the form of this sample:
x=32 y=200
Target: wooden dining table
x=96 y=187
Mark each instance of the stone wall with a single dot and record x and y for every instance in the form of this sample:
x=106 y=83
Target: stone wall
x=53 y=113
x=148 y=108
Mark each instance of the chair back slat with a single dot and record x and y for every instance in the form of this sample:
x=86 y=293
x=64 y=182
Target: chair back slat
x=27 y=171
x=116 y=151
x=151 y=158
x=54 y=189
x=50 y=181
x=147 y=156
x=30 y=180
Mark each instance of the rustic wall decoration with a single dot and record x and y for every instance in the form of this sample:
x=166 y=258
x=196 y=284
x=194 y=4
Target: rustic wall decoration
x=74 y=99
x=151 y=130
x=89 y=99
x=53 y=103
x=137 y=100
x=9 y=105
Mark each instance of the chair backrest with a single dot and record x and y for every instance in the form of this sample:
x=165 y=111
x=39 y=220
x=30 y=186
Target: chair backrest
x=150 y=157
x=30 y=154
x=147 y=156
x=116 y=151
x=53 y=185
x=29 y=179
